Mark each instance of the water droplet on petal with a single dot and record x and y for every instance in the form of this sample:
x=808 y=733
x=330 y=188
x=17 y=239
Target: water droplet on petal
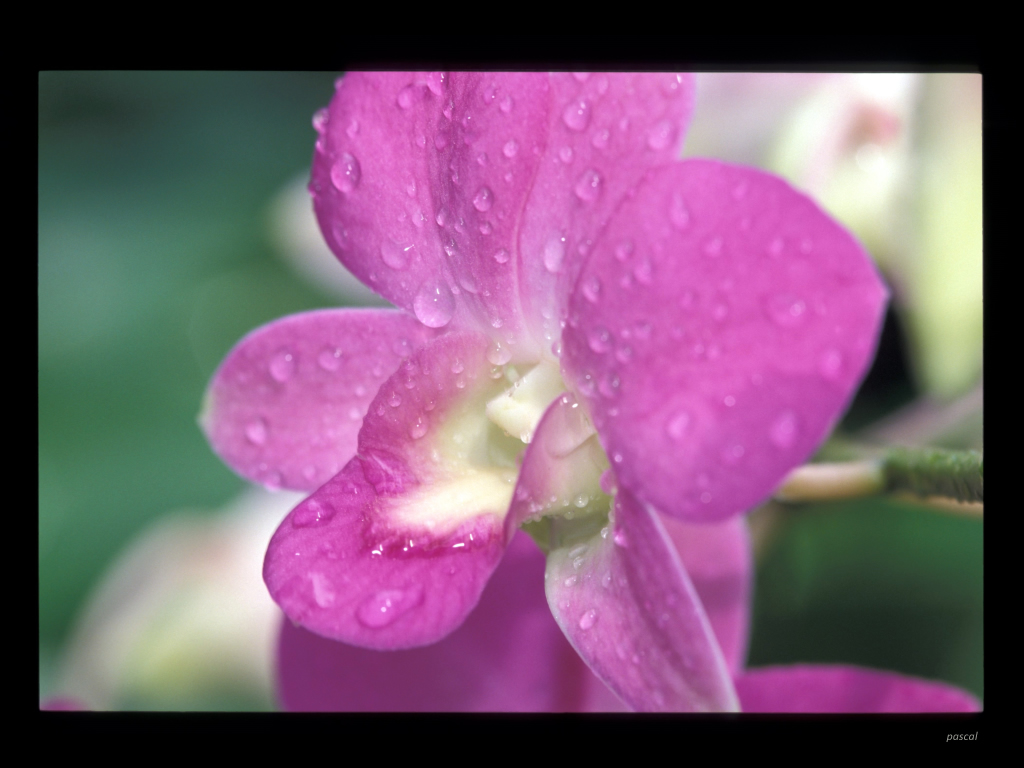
x=407 y=96
x=786 y=310
x=396 y=255
x=571 y=581
x=436 y=82
x=501 y=256
x=624 y=353
x=565 y=153
x=282 y=366
x=644 y=272
x=660 y=136
x=505 y=105
x=320 y=118
x=830 y=364
x=510 y=149
x=729 y=401
x=554 y=253
x=345 y=173
x=678 y=213
x=312 y=512
x=620 y=537
x=783 y=431
x=592 y=289
x=329 y=359
x=256 y=431
x=678 y=425
x=624 y=250
x=483 y=200
x=576 y=115
x=434 y=305
x=599 y=339
x=588 y=186
x=387 y=605
x=600 y=139
x=418 y=429
x=588 y=619
x=498 y=355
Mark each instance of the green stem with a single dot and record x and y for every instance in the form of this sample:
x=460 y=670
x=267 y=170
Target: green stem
x=956 y=475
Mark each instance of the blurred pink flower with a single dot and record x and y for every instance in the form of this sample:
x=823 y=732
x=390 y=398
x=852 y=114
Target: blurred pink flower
x=572 y=292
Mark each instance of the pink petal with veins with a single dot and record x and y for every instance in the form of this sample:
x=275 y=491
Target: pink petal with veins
x=508 y=656
x=814 y=688
x=624 y=601
x=285 y=407
x=719 y=329
x=394 y=551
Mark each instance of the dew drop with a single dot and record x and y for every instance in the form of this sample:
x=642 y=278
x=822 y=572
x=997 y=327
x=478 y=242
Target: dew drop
x=256 y=431
x=418 y=429
x=624 y=250
x=644 y=272
x=678 y=426
x=565 y=153
x=311 y=513
x=830 y=364
x=510 y=149
x=571 y=581
x=407 y=96
x=660 y=136
x=705 y=497
x=498 y=355
x=387 y=605
x=354 y=414
x=329 y=359
x=592 y=289
x=440 y=140
x=320 y=118
x=624 y=353
x=345 y=173
x=620 y=537
x=501 y=256
x=784 y=430
x=599 y=339
x=505 y=105
x=396 y=255
x=576 y=115
x=678 y=213
x=786 y=310
x=436 y=82
x=606 y=580
x=483 y=200
x=395 y=400
x=588 y=186
x=600 y=138
x=554 y=253
x=434 y=304
x=588 y=619
x=729 y=401
x=282 y=366
x=585 y=384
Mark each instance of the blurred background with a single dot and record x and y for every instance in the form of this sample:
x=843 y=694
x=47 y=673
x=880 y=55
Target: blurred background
x=173 y=219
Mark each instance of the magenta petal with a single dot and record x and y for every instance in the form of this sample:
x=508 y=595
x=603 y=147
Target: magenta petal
x=717 y=333
x=808 y=688
x=394 y=551
x=604 y=130
x=286 y=405
x=624 y=601
x=720 y=563
x=508 y=656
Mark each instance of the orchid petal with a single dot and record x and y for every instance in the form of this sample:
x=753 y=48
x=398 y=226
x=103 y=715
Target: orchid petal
x=624 y=601
x=286 y=405
x=508 y=656
x=720 y=563
x=603 y=132
x=394 y=551
x=813 y=688
x=419 y=184
x=717 y=331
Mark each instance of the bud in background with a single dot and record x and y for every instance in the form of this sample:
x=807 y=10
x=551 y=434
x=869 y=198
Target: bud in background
x=182 y=619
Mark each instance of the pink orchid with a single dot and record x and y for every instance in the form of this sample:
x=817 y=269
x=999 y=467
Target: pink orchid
x=510 y=656
x=572 y=292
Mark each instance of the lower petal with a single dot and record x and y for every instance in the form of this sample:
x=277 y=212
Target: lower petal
x=508 y=656
x=621 y=596
x=394 y=551
x=838 y=689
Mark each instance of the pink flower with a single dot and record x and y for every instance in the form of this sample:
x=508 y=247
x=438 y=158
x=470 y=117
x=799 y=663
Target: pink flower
x=572 y=294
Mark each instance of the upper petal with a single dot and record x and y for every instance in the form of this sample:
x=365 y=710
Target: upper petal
x=508 y=656
x=286 y=405
x=624 y=601
x=716 y=334
x=394 y=551
x=604 y=131
x=819 y=688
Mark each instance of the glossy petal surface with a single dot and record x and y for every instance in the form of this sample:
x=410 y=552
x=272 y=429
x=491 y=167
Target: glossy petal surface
x=624 y=601
x=720 y=327
x=808 y=688
x=508 y=656
x=394 y=551
x=285 y=407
